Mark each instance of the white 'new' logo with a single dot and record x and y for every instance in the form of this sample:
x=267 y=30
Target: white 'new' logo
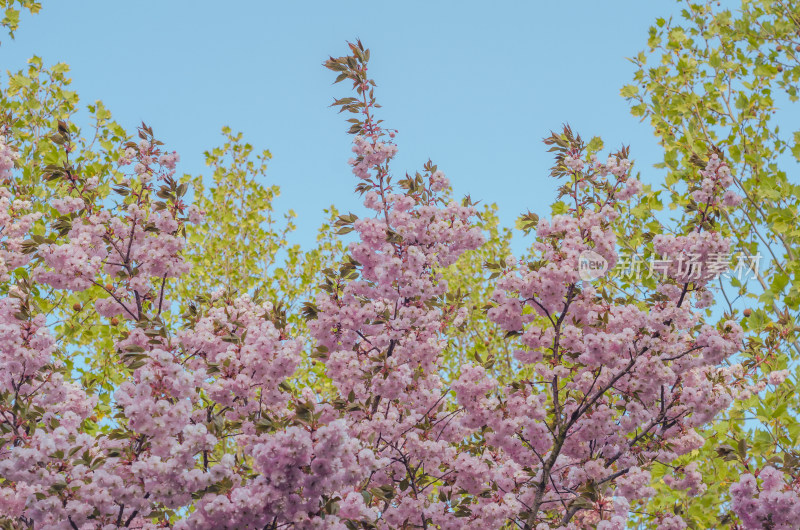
x=591 y=265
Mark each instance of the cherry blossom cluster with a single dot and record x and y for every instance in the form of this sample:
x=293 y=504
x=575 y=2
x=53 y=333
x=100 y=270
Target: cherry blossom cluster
x=7 y=158
x=16 y=221
x=129 y=251
x=613 y=387
x=714 y=187
x=194 y=402
x=693 y=257
x=192 y=407
x=369 y=155
x=213 y=430
x=16 y=218
x=298 y=454
x=41 y=420
x=768 y=499
x=170 y=439
x=380 y=327
x=149 y=161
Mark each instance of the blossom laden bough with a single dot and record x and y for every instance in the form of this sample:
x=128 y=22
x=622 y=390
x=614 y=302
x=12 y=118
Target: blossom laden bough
x=212 y=429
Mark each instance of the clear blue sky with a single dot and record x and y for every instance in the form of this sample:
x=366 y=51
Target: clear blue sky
x=472 y=85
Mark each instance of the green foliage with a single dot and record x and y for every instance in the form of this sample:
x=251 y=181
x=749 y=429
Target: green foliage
x=11 y=10
x=243 y=246
x=237 y=244
x=712 y=82
x=40 y=115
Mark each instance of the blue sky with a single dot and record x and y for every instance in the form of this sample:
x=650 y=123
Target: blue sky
x=472 y=85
